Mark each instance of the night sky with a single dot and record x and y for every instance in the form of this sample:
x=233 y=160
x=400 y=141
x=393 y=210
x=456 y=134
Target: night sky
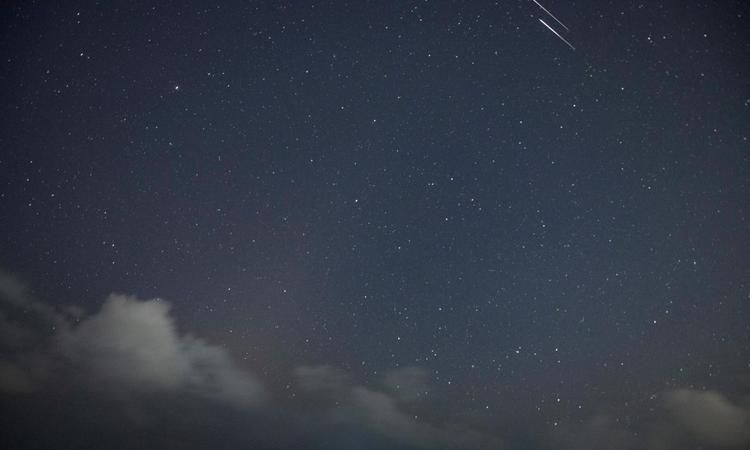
x=375 y=225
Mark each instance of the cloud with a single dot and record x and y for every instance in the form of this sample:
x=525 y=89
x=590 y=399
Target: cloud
x=25 y=327
x=13 y=379
x=78 y=368
x=709 y=417
x=688 y=419
x=602 y=432
x=14 y=336
x=129 y=362
x=381 y=412
x=134 y=345
x=321 y=378
x=130 y=342
x=408 y=384
x=14 y=295
x=129 y=345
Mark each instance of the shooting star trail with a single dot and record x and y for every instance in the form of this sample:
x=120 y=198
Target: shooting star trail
x=557 y=34
x=551 y=15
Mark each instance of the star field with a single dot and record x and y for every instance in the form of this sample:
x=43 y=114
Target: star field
x=376 y=224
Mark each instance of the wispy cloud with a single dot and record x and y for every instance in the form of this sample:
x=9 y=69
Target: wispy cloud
x=382 y=412
x=710 y=417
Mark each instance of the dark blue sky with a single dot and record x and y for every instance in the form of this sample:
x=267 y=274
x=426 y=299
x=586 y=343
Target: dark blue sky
x=550 y=246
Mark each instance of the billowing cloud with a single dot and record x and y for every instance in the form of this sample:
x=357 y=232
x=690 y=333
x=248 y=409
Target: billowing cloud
x=135 y=345
x=129 y=345
x=710 y=417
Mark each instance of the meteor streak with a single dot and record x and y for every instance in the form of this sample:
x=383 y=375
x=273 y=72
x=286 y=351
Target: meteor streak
x=557 y=34
x=551 y=15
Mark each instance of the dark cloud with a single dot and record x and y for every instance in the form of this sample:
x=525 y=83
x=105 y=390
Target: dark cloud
x=12 y=335
x=13 y=379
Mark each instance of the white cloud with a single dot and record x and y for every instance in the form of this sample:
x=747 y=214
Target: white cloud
x=134 y=344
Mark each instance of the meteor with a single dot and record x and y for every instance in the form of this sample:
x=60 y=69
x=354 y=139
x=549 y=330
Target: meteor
x=551 y=15
x=557 y=34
